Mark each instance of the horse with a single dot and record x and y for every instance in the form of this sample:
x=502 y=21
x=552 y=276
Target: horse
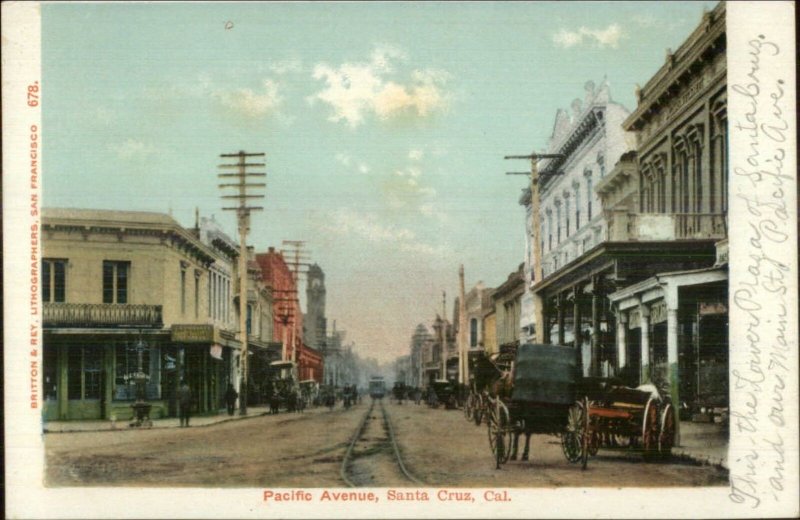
x=501 y=389
x=274 y=404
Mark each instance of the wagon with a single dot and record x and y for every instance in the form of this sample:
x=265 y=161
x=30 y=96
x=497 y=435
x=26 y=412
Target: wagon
x=485 y=371
x=638 y=418
x=539 y=392
x=444 y=391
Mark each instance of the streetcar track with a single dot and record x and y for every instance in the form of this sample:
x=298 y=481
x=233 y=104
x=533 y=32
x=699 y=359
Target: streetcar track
x=374 y=456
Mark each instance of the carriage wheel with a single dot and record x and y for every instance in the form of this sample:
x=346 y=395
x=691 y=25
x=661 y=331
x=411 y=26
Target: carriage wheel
x=479 y=409
x=572 y=438
x=468 y=407
x=666 y=434
x=500 y=434
x=650 y=429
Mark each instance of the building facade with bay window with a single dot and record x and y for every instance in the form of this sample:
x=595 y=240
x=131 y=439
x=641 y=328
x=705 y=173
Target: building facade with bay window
x=122 y=286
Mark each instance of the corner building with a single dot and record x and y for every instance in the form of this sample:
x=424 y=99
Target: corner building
x=114 y=282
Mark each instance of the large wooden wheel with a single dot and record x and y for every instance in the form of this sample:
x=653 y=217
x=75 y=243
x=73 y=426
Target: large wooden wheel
x=573 y=438
x=479 y=409
x=650 y=429
x=468 y=406
x=666 y=433
x=500 y=432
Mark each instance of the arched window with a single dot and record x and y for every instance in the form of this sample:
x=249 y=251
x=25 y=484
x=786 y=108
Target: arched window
x=601 y=164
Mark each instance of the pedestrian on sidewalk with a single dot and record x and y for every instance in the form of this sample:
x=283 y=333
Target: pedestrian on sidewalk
x=184 y=402
x=230 y=398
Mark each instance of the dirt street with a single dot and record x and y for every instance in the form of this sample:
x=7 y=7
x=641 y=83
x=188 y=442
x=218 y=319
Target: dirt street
x=285 y=450
x=305 y=450
x=441 y=448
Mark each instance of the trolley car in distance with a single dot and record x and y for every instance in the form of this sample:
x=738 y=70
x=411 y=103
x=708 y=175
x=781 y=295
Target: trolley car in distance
x=377 y=387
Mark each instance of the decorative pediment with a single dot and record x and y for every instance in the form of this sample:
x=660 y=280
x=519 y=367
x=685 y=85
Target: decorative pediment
x=562 y=125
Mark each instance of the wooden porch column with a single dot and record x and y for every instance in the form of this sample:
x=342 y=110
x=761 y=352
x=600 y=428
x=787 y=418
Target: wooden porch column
x=576 y=317
x=622 y=329
x=645 y=325
x=595 y=368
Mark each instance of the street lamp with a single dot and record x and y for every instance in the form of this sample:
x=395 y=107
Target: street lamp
x=141 y=409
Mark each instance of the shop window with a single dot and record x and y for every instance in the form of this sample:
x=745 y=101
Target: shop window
x=126 y=365
x=54 y=280
x=84 y=373
x=115 y=281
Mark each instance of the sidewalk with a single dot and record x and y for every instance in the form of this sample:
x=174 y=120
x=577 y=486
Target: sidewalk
x=170 y=422
x=706 y=443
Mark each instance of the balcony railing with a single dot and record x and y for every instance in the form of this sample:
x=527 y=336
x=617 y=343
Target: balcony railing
x=101 y=315
x=666 y=226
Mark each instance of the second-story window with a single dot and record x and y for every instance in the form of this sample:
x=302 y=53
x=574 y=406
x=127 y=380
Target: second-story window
x=115 y=281
x=577 y=207
x=549 y=231
x=558 y=223
x=588 y=198
x=54 y=280
x=473 y=332
x=249 y=318
x=197 y=293
x=184 y=265
x=566 y=215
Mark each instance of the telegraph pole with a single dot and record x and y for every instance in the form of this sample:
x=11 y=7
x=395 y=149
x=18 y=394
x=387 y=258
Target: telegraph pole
x=443 y=333
x=296 y=249
x=463 y=353
x=538 y=307
x=242 y=194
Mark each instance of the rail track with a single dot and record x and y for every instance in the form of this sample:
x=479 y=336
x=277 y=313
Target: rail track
x=373 y=457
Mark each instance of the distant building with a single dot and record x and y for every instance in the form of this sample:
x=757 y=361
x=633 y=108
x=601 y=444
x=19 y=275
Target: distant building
x=507 y=299
x=315 y=323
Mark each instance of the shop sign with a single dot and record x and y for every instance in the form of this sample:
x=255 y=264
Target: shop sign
x=215 y=351
x=192 y=333
x=706 y=308
x=658 y=312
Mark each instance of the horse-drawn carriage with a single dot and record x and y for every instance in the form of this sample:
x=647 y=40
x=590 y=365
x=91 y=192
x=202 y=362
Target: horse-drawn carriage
x=400 y=391
x=442 y=391
x=285 y=391
x=542 y=390
x=309 y=393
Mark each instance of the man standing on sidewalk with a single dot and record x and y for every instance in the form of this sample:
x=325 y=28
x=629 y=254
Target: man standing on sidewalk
x=230 y=398
x=184 y=402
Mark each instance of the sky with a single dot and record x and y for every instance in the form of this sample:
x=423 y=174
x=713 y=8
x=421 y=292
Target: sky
x=384 y=126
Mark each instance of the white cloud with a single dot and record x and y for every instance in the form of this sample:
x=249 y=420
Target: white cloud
x=346 y=160
x=133 y=149
x=607 y=37
x=647 y=20
x=355 y=90
x=252 y=104
x=343 y=158
x=286 y=66
x=415 y=155
x=366 y=226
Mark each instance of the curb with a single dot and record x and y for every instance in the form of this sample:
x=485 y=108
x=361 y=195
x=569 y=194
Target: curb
x=705 y=460
x=130 y=429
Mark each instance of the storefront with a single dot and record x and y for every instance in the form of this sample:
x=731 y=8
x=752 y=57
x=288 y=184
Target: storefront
x=673 y=332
